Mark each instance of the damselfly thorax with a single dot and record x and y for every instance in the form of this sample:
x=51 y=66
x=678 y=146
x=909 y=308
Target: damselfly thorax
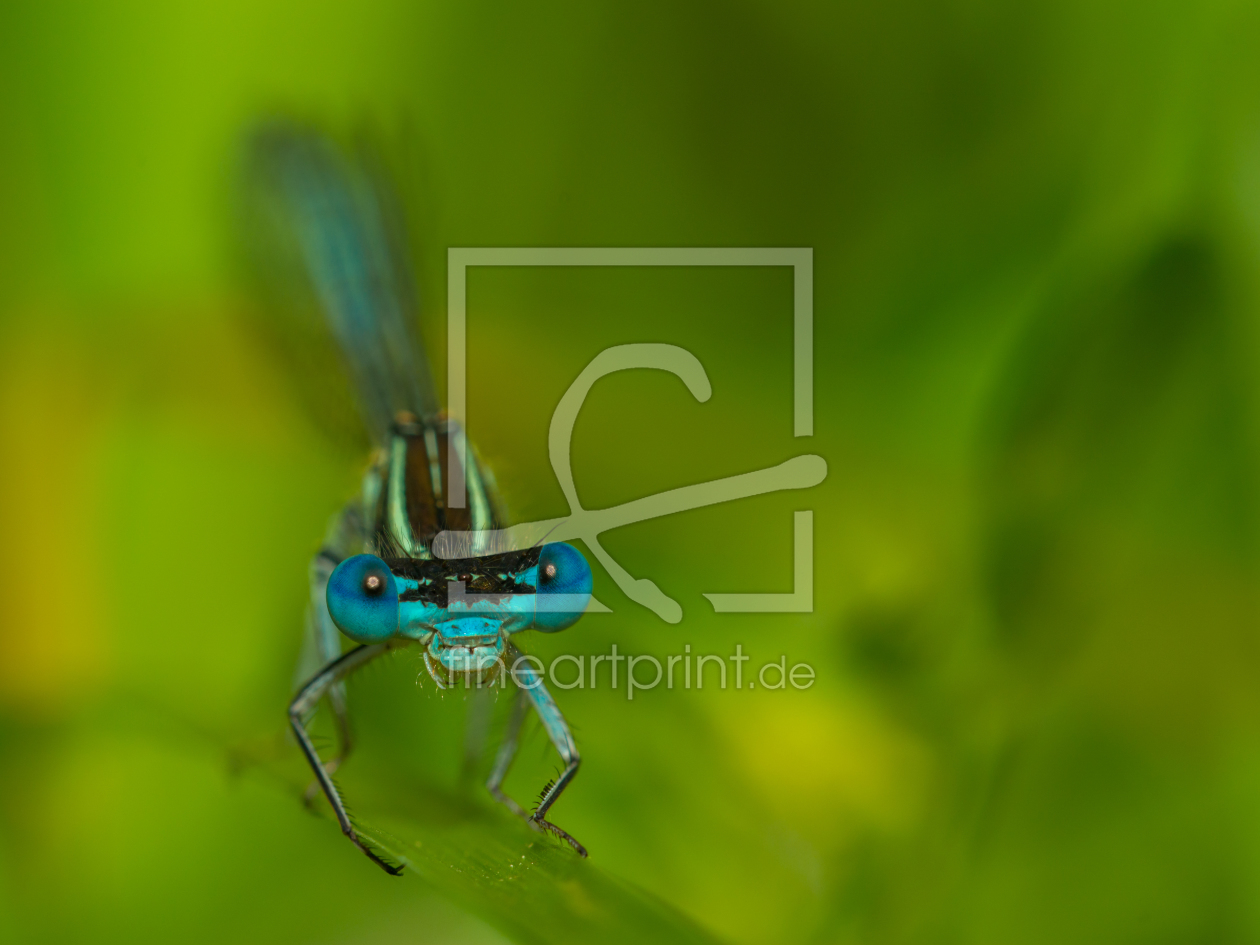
x=407 y=493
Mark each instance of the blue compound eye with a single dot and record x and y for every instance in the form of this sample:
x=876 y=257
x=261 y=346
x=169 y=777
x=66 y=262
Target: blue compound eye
x=564 y=587
x=363 y=599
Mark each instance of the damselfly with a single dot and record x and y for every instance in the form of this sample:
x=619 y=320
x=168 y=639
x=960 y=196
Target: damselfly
x=375 y=579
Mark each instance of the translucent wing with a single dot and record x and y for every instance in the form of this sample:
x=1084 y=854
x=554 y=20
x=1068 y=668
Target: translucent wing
x=325 y=234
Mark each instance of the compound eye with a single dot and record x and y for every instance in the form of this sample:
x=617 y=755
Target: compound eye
x=564 y=587
x=363 y=599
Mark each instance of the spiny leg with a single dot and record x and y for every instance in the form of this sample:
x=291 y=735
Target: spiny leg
x=536 y=693
x=507 y=751
x=305 y=700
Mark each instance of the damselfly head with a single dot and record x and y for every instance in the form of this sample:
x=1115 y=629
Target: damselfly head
x=460 y=604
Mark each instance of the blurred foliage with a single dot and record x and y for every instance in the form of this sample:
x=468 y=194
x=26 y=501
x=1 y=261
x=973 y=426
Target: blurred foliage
x=1036 y=228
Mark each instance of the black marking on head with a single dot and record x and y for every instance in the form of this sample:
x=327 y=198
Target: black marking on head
x=493 y=574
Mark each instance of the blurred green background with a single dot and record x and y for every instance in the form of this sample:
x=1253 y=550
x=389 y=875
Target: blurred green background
x=1036 y=229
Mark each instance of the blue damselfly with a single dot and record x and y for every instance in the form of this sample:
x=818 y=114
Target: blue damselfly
x=329 y=218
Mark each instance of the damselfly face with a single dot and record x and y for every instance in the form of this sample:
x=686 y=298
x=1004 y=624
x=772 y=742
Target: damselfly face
x=463 y=610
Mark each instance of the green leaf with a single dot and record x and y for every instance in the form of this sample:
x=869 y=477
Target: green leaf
x=523 y=882
x=527 y=885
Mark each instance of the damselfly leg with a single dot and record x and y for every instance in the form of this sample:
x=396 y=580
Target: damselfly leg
x=507 y=751
x=303 y=703
x=323 y=640
x=534 y=693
